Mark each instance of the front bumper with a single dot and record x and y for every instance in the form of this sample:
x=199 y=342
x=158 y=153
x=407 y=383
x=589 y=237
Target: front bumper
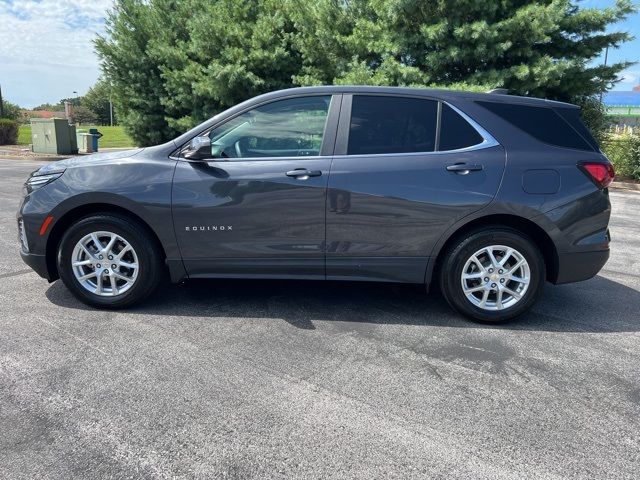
x=38 y=263
x=576 y=267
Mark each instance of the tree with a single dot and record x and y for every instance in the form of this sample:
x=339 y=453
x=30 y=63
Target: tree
x=83 y=115
x=97 y=100
x=171 y=69
x=8 y=109
x=55 y=107
x=537 y=47
x=75 y=101
x=11 y=110
x=135 y=69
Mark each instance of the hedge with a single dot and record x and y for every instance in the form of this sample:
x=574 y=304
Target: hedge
x=8 y=131
x=624 y=152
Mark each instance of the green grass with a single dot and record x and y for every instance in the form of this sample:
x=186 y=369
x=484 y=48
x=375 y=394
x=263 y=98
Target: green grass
x=112 y=136
x=24 y=135
x=623 y=115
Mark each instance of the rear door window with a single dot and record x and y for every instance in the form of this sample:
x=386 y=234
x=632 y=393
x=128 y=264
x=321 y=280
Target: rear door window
x=389 y=124
x=542 y=123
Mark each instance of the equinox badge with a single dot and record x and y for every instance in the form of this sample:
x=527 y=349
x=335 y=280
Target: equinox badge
x=209 y=228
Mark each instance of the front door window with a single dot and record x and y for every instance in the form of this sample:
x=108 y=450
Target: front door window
x=286 y=128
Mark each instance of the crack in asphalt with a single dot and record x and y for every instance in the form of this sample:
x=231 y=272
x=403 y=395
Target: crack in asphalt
x=15 y=274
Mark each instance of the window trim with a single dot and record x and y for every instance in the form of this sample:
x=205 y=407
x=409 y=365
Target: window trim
x=342 y=140
x=487 y=139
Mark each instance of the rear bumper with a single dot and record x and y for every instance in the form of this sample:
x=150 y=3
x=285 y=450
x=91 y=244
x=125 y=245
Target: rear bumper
x=576 y=267
x=37 y=262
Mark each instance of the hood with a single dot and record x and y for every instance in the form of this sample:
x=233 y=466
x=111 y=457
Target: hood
x=87 y=160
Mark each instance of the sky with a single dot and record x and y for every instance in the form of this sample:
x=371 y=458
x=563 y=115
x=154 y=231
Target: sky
x=46 y=50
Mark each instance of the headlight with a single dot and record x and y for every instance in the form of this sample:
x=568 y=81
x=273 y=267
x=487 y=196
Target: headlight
x=38 y=180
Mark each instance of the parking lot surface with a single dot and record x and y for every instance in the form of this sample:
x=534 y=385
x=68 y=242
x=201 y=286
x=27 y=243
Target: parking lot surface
x=256 y=379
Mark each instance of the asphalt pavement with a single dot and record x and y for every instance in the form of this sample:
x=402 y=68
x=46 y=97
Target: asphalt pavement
x=254 y=379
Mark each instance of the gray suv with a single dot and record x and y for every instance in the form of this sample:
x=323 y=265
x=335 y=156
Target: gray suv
x=486 y=195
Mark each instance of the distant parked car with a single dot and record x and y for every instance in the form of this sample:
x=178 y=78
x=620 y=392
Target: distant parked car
x=487 y=195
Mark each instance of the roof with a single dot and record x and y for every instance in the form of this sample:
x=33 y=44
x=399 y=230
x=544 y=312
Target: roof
x=427 y=92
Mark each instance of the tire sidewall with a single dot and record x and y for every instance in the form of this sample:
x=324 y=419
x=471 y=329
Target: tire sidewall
x=457 y=258
x=120 y=227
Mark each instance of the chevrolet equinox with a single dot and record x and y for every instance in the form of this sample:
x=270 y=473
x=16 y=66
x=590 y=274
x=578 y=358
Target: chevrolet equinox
x=486 y=195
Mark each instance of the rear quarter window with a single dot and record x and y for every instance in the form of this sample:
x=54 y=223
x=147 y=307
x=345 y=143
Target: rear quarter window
x=572 y=115
x=542 y=123
x=455 y=131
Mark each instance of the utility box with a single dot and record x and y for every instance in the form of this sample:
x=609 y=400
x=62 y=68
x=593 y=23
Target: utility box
x=53 y=135
x=85 y=141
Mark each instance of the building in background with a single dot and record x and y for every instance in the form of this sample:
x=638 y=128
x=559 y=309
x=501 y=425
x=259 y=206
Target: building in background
x=623 y=107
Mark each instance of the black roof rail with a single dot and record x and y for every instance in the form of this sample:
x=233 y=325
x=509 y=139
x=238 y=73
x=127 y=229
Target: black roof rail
x=500 y=91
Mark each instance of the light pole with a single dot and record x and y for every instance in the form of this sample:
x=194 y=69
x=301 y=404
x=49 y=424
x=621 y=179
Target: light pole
x=110 y=104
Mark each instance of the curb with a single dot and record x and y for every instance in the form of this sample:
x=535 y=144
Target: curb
x=34 y=158
x=11 y=155
x=625 y=186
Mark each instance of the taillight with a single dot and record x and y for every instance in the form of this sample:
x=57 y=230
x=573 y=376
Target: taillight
x=602 y=174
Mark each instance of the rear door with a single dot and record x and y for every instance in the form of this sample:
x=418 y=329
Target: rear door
x=257 y=206
x=405 y=168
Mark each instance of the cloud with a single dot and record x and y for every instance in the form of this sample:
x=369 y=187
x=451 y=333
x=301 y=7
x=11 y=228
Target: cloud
x=46 y=49
x=630 y=77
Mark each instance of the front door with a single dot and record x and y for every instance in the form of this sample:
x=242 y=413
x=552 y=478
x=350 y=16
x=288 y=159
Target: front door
x=257 y=206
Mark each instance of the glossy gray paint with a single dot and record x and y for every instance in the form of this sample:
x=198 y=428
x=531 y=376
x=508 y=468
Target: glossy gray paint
x=369 y=217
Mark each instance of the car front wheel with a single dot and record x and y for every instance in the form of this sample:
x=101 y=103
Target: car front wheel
x=493 y=275
x=108 y=261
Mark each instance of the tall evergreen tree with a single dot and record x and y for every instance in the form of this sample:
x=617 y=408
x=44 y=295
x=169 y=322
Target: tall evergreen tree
x=174 y=63
x=532 y=47
x=135 y=73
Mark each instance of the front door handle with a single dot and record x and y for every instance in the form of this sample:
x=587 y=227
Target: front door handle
x=303 y=173
x=464 y=168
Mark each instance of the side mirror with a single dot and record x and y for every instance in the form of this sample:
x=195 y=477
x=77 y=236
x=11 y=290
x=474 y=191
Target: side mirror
x=199 y=149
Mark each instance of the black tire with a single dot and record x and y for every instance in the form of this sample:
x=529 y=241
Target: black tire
x=148 y=253
x=458 y=254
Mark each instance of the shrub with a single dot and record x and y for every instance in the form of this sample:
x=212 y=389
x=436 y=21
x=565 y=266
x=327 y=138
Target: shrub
x=8 y=131
x=624 y=152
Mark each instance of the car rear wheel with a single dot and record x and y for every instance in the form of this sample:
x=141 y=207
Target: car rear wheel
x=493 y=275
x=109 y=261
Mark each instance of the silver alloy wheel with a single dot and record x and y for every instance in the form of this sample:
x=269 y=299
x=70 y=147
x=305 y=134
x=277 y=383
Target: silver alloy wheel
x=105 y=264
x=495 y=277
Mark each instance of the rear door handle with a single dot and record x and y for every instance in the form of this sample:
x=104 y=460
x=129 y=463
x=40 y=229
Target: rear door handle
x=464 y=168
x=303 y=173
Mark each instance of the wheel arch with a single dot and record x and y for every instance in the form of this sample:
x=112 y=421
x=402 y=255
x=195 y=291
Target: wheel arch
x=77 y=213
x=538 y=234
